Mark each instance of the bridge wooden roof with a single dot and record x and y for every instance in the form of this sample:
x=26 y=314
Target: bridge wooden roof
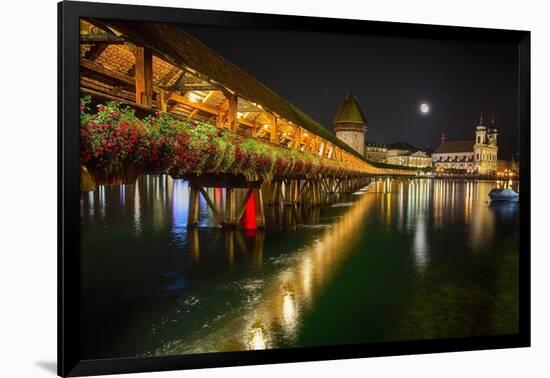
x=178 y=48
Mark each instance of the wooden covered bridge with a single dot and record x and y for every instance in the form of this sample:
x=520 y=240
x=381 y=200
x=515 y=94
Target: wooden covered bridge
x=158 y=67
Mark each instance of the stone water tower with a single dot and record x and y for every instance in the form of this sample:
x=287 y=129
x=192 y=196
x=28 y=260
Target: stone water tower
x=350 y=125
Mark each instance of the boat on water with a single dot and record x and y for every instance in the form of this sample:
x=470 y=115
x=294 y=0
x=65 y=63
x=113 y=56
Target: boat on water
x=504 y=194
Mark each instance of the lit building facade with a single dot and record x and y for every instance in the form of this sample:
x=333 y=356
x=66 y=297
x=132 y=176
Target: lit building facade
x=407 y=155
x=350 y=125
x=376 y=152
x=478 y=156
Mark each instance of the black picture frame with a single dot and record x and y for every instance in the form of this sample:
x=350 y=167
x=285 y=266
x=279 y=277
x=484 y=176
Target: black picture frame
x=69 y=361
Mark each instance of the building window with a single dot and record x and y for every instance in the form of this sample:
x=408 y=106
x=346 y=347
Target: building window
x=477 y=156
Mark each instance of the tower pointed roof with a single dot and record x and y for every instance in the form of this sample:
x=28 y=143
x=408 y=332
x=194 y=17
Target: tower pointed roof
x=350 y=112
x=481 y=126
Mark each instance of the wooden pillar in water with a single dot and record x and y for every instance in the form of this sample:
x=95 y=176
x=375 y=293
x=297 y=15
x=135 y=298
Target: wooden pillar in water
x=276 y=187
x=314 y=184
x=229 y=207
x=194 y=207
x=291 y=192
x=295 y=188
x=291 y=196
x=259 y=207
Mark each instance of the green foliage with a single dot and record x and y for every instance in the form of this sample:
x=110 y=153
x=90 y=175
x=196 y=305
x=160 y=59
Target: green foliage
x=113 y=137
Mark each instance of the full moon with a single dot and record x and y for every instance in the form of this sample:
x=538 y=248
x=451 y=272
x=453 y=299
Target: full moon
x=424 y=108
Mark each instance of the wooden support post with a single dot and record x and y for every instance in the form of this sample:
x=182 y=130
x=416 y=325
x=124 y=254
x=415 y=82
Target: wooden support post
x=307 y=193
x=274 y=130
x=232 y=113
x=318 y=191
x=288 y=193
x=161 y=101
x=289 y=217
x=295 y=189
x=259 y=207
x=330 y=152
x=302 y=191
x=298 y=138
x=144 y=76
x=325 y=185
x=266 y=191
x=194 y=207
x=229 y=207
x=276 y=192
x=311 y=195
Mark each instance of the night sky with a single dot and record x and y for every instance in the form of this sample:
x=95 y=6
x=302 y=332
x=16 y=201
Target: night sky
x=390 y=77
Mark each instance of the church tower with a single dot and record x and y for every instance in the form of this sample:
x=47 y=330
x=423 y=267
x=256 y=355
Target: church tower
x=492 y=133
x=485 y=149
x=481 y=132
x=350 y=125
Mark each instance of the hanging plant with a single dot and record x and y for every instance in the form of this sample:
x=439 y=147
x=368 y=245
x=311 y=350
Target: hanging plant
x=116 y=147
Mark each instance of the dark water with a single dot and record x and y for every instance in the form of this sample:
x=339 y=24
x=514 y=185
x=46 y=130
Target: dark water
x=399 y=260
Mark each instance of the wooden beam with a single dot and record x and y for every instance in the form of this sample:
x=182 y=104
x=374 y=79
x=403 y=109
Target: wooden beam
x=129 y=82
x=193 y=113
x=178 y=81
x=240 y=212
x=96 y=50
x=107 y=97
x=197 y=105
x=169 y=76
x=144 y=76
x=107 y=73
x=89 y=39
x=199 y=87
x=211 y=204
x=229 y=207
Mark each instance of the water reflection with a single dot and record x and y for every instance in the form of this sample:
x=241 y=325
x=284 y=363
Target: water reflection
x=210 y=289
x=275 y=316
